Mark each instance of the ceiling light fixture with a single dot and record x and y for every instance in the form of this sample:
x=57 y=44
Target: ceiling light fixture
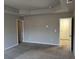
x=69 y=1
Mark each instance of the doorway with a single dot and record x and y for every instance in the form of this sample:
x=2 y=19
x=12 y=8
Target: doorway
x=66 y=33
x=19 y=24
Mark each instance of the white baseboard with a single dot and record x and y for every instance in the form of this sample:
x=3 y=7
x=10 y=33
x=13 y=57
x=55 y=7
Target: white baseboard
x=41 y=43
x=11 y=47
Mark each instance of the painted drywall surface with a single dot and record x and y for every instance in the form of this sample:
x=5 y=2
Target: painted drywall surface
x=36 y=31
x=11 y=10
x=8 y=8
x=10 y=34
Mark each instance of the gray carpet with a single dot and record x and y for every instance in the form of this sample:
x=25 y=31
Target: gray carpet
x=36 y=51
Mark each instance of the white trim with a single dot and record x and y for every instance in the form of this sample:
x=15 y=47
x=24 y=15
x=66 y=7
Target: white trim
x=23 y=30
x=17 y=29
x=11 y=47
x=40 y=43
x=10 y=12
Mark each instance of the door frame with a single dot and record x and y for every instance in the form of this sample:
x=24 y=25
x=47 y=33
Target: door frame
x=23 y=30
x=73 y=34
x=17 y=30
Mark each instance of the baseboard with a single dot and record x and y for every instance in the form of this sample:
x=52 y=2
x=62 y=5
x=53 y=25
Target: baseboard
x=11 y=47
x=41 y=43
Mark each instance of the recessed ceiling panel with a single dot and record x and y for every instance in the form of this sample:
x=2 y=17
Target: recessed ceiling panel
x=31 y=4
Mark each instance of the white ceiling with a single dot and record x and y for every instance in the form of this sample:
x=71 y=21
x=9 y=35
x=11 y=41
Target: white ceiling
x=33 y=7
x=32 y=4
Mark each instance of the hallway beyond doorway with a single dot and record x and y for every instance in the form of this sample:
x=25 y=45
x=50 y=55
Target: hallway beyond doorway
x=65 y=33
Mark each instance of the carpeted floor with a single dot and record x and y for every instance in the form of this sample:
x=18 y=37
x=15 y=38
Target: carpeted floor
x=36 y=51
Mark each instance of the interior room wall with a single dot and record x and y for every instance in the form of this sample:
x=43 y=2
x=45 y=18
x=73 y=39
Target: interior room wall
x=10 y=33
x=43 y=29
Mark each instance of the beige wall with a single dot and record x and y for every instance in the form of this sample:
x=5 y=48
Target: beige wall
x=35 y=30
x=10 y=33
